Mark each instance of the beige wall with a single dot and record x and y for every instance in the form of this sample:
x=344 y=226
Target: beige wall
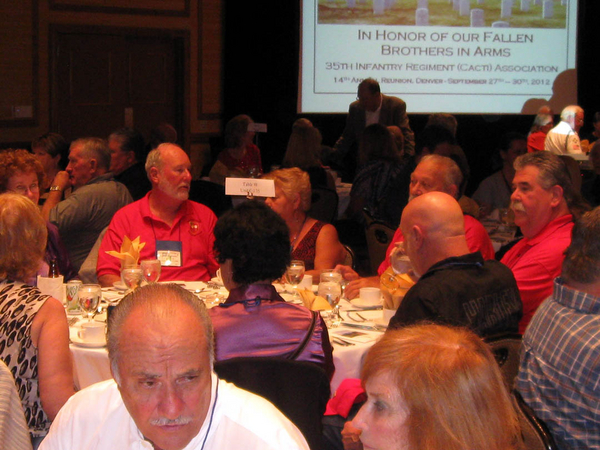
x=24 y=59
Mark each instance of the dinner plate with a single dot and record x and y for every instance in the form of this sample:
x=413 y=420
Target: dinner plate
x=359 y=303
x=120 y=286
x=81 y=343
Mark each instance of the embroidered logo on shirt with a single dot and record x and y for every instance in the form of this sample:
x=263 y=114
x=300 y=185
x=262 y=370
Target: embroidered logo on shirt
x=194 y=228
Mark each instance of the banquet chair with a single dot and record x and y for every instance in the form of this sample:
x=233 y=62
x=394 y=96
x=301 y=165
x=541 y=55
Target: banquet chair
x=507 y=349
x=534 y=432
x=379 y=236
x=299 y=389
x=14 y=434
x=87 y=271
x=350 y=259
x=323 y=204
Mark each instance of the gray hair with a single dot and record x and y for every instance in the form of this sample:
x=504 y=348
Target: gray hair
x=582 y=257
x=94 y=148
x=569 y=112
x=552 y=172
x=451 y=172
x=162 y=301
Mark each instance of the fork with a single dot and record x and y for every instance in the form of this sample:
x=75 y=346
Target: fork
x=362 y=319
x=343 y=343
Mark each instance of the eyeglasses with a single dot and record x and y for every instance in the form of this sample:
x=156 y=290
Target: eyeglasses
x=22 y=190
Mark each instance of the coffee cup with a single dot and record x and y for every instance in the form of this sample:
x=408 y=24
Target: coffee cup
x=370 y=295
x=92 y=332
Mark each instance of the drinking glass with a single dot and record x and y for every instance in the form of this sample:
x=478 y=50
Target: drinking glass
x=151 y=270
x=295 y=273
x=131 y=276
x=330 y=289
x=89 y=298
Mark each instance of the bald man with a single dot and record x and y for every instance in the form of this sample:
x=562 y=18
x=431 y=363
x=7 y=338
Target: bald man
x=455 y=287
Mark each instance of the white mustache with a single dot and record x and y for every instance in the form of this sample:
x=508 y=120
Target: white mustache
x=517 y=206
x=163 y=421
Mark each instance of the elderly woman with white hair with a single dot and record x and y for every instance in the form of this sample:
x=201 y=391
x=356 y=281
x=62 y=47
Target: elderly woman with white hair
x=313 y=241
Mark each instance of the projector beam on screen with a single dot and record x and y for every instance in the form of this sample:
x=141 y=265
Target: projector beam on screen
x=458 y=56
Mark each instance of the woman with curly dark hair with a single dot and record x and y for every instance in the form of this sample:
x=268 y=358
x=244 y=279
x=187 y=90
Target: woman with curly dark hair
x=253 y=248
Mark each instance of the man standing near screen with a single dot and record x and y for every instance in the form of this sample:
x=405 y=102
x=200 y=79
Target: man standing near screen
x=373 y=107
x=563 y=138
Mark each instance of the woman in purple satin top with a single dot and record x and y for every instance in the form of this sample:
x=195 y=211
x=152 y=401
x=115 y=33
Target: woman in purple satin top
x=252 y=247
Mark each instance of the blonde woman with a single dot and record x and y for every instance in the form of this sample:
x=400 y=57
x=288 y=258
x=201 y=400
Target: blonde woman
x=433 y=387
x=34 y=335
x=313 y=241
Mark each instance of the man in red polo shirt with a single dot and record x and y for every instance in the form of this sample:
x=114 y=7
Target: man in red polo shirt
x=542 y=196
x=435 y=173
x=175 y=230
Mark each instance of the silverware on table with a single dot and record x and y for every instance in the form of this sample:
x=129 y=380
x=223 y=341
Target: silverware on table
x=360 y=318
x=365 y=327
x=342 y=342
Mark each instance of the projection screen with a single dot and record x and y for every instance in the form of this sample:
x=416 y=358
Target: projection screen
x=457 y=56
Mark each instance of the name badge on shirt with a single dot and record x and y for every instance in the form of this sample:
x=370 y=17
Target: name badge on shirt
x=169 y=253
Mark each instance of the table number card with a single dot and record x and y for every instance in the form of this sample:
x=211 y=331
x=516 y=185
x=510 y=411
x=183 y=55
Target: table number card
x=249 y=187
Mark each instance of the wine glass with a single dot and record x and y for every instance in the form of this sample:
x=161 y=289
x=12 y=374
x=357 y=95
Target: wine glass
x=150 y=270
x=295 y=273
x=131 y=276
x=89 y=298
x=331 y=290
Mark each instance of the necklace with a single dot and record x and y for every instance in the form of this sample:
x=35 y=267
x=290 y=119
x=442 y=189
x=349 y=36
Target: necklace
x=299 y=231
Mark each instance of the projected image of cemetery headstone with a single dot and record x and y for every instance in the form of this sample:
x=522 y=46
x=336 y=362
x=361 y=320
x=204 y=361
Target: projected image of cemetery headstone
x=490 y=13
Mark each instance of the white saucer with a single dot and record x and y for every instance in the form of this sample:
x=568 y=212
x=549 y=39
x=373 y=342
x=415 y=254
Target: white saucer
x=120 y=286
x=81 y=343
x=359 y=303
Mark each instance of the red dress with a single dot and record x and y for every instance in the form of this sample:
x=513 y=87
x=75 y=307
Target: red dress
x=306 y=249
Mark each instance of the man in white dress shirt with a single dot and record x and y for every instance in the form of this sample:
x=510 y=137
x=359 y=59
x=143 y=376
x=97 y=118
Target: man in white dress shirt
x=165 y=394
x=563 y=138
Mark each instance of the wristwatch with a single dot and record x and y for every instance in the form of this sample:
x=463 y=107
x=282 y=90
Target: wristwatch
x=55 y=188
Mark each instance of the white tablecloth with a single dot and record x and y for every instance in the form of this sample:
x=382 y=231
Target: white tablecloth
x=91 y=364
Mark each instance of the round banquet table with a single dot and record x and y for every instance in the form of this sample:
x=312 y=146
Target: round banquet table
x=91 y=365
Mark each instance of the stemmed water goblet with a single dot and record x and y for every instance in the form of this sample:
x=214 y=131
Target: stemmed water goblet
x=150 y=270
x=295 y=274
x=89 y=299
x=331 y=290
x=131 y=276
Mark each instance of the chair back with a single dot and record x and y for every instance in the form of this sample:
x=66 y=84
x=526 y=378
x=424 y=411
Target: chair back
x=534 y=432
x=350 y=259
x=87 y=271
x=210 y=194
x=14 y=433
x=379 y=236
x=507 y=350
x=323 y=204
x=299 y=389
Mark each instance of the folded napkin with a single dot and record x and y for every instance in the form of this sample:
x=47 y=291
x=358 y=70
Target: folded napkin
x=348 y=393
x=394 y=286
x=312 y=301
x=130 y=251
